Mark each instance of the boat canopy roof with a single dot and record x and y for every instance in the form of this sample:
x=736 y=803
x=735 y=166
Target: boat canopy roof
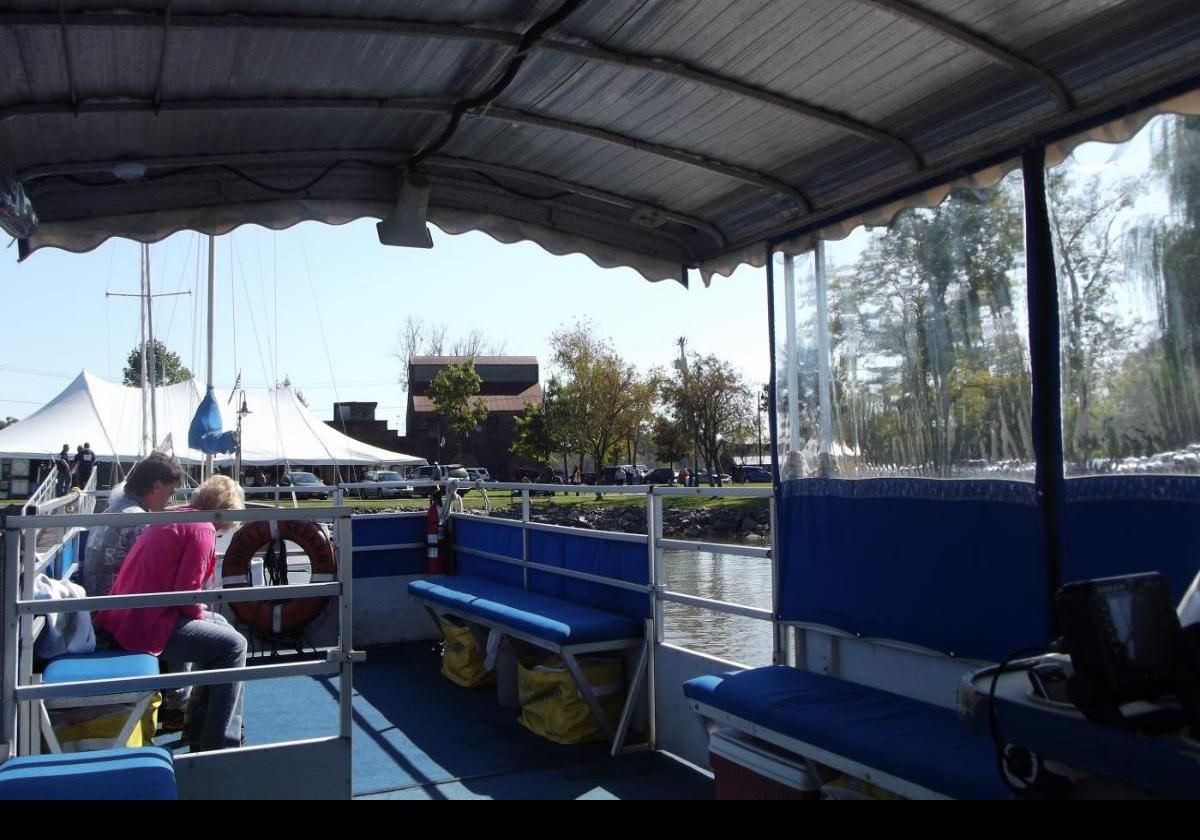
x=656 y=135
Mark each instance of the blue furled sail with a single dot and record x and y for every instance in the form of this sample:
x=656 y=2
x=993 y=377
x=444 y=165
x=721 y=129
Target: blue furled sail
x=205 y=433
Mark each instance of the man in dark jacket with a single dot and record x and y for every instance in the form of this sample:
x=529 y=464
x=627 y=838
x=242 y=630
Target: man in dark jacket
x=85 y=460
x=63 y=466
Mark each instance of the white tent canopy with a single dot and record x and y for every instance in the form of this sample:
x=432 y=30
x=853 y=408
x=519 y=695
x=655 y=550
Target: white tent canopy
x=280 y=429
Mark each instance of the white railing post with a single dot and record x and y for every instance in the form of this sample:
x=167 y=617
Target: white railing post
x=345 y=556
x=654 y=530
x=779 y=638
x=525 y=537
x=10 y=635
x=25 y=675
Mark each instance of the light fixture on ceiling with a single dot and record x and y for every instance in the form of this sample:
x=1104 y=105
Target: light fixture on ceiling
x=405 y=225
x=647 y=217
x=129 y=170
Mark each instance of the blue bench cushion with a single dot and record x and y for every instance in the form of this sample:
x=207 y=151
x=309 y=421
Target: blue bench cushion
x=142 y=773
x=101 y=665
x=540 y=616
x=916 y=741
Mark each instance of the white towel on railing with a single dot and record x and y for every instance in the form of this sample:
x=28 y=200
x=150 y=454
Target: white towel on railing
x=69 y=632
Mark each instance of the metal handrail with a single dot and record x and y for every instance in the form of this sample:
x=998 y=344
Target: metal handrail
x=19 y=608
x=655 y=542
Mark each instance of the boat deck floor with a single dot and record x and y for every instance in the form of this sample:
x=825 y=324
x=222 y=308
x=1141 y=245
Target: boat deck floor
x=419 y=736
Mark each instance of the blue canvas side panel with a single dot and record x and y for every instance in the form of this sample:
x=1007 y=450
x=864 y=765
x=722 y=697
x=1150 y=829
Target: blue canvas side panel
x=388 y=530
x=1119 y=525
x=951 y=565
x=482 y=535
x=594 y=555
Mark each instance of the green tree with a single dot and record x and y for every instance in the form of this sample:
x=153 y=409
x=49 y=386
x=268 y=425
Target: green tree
x=532 y=438
x=708 y=398
x=640 y=420
x=929 y=364
x=1084 y=214
x=603 y=395
x=670 y=443
x=545 y=430
x=1167 y=250
x=168 y=367
x=453 y=393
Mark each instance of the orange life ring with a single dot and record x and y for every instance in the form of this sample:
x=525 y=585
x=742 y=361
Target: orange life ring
x=286 y=617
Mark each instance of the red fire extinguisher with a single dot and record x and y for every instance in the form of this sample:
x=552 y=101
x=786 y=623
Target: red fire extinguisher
x=433 y=557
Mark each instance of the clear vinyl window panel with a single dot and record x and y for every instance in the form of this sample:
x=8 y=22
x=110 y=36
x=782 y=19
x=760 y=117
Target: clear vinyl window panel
x=1125 y=221
x=911 y=355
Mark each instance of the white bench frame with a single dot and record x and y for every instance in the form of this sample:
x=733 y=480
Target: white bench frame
x=617 y=736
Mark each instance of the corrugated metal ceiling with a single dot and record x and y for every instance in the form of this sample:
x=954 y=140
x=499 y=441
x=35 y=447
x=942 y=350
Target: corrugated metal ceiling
x=652 y=134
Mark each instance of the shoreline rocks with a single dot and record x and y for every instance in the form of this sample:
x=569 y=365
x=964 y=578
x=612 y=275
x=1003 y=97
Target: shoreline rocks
x=724 y=523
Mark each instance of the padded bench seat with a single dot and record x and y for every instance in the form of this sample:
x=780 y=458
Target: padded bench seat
x=101 y=665
x=141 y=773
x=911 y=740
x=540 y=616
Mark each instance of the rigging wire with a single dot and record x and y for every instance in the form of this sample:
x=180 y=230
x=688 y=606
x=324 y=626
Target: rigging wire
x=233 y=309
x=324 y=343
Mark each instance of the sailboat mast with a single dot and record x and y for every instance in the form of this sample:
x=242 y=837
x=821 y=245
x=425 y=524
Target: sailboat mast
x=142 y=448
x=212 y=291
x=151 y=351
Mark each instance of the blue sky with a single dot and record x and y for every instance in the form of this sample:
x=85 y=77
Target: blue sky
x=325 y=305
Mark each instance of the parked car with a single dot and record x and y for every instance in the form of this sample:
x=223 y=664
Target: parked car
x=613 y=475
x=479 y=474
x=305 y=485
x=439 y=472
x=756 y=474
x=661 y=475
x=393 y=485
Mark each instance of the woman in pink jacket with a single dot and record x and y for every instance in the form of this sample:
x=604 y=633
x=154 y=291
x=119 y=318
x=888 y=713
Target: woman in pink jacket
x=180 y=557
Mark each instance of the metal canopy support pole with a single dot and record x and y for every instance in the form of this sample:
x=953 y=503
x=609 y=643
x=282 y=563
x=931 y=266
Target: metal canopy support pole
x=772 y=386
x=1044 y=349
x=824 y=375
x=793 y=363
x=773 y=417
